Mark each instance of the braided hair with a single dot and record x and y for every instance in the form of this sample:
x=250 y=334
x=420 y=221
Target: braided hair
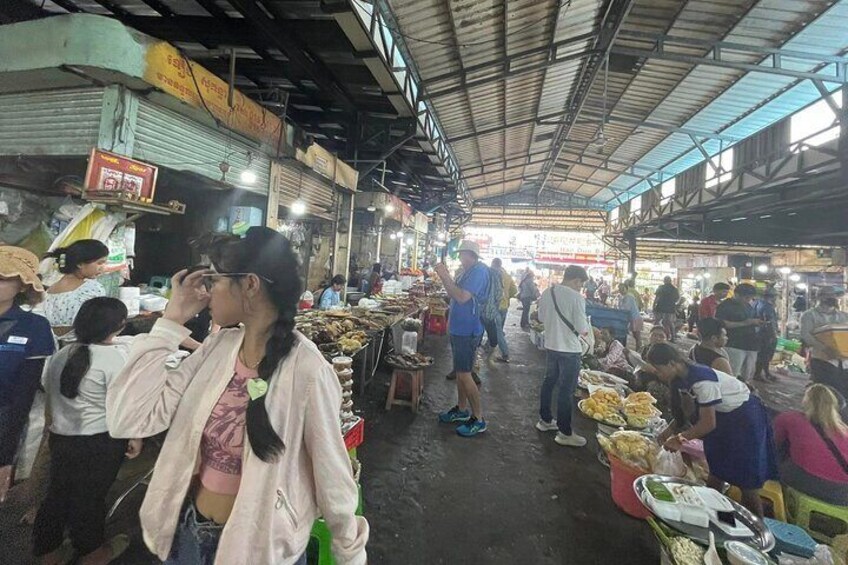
x=269 y=255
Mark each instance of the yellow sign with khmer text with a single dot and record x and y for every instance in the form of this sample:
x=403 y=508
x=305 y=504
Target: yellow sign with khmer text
x=177 y=75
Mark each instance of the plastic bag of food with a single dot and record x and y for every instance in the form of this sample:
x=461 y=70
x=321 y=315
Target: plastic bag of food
x=670 y=464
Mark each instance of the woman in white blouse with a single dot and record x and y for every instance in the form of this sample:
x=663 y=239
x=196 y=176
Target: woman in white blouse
x=80 y=264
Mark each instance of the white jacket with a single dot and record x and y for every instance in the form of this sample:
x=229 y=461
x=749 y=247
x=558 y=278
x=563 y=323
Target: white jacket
x=277 y=502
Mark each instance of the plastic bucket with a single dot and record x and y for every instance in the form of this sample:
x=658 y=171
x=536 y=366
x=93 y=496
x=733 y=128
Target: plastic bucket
x=621 y=484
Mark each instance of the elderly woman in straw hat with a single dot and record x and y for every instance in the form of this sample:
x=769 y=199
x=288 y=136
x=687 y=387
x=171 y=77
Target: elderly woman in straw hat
x=25 y=343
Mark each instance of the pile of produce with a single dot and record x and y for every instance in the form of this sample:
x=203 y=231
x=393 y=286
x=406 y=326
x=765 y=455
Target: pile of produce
x=607 y=406
x=632 y=448
x=639 y=409
x=603 y=405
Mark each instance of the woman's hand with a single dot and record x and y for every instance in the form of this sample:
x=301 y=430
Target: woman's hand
x=134 y=448
x=5 y=481
x=674 y=443
x=188 y=298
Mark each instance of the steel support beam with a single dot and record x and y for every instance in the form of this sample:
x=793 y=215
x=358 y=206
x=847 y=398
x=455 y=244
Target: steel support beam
x=594 y=118
x=617 y=11
x=720 y=54
x=297 y=53
x=506 y=74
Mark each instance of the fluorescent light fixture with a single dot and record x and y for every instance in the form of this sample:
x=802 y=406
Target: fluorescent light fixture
x=389 y=208
x=762 y=268
x=784 y=270
x=372 y=208
x=707 y=276
x=795 y=277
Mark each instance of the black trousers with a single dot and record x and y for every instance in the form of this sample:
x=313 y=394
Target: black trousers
x=82 y=469
x=525 y=313
x=768 y=345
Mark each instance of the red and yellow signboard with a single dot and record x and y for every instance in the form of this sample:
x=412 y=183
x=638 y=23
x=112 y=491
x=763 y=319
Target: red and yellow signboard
x=175 y=74
x=108 y=172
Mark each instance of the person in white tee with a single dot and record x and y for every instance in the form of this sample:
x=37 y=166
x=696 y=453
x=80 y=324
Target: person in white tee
x=562 y=310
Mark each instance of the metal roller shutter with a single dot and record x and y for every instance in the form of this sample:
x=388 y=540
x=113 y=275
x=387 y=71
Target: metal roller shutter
x=164 y=137
x=294 y=181
x=53 y=122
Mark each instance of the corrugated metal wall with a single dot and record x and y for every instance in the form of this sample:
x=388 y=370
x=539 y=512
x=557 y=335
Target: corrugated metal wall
x=53 y=122
x=297 y=182
x=172 y=140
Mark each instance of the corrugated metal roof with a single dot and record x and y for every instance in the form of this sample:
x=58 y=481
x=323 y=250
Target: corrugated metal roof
x=665 y=93
x=755 y=100
x=472 y=34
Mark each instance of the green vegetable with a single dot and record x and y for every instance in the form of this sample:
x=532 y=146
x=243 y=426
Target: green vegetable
x=659 y=491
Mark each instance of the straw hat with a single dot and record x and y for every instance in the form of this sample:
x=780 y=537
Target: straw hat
x=18 y=262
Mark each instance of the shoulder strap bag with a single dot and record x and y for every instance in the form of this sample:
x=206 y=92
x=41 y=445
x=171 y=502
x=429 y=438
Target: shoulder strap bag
x=833 y=449
x=584 y=345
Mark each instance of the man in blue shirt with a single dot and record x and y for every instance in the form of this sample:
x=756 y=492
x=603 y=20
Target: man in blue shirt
x=468 y=294
x=332 y=294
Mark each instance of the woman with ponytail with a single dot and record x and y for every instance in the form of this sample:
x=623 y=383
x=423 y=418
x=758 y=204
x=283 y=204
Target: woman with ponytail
x=84 y=458
x=254 y=453
x=80 y=264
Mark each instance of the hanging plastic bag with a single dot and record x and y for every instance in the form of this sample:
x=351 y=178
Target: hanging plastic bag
x=670 y=464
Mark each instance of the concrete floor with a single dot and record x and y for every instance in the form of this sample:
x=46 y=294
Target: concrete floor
x=508 y=496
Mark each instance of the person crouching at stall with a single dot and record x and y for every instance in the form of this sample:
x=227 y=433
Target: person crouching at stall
x=85 y=459
x=254 y=452
x=733 y=424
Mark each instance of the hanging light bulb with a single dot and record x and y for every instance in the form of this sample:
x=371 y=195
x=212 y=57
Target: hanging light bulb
x=409 y=241
x=762 y=268
x=248 y=177
x=298 y=207
x=794 y=277
x=784 y=270
x=393 y=236
x=400 y=234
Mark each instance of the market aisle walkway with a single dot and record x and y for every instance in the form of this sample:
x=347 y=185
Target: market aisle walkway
x=508 y=496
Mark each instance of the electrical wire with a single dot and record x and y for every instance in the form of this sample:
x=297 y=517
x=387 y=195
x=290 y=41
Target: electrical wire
x=563 y=4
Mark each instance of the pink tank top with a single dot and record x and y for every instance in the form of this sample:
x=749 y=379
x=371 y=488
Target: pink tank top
x=222 y=445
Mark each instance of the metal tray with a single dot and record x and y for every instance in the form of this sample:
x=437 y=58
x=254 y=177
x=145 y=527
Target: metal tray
x=763 y=538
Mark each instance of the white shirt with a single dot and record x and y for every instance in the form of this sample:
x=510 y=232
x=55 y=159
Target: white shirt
x=84 y=415
x=726 y=392
x=558 y=336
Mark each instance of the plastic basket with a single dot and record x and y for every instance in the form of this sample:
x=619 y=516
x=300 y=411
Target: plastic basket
x=355 y=436
x=791 y=539
x=621 y=484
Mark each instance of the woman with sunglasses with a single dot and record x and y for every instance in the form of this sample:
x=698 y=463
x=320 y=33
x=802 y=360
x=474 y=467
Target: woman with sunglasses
x=254 y=454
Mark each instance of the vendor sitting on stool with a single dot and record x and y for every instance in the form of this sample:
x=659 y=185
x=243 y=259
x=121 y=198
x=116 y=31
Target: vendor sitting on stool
x=331 y=296
x=733 y=425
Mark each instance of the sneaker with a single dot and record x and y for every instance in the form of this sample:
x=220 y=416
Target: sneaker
x=573 y=440
x=472 y=427
x=544 y=426
x=454 y=415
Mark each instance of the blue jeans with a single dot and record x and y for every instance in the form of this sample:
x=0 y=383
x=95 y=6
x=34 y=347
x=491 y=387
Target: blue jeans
x=499 y=328
x=562 y=369
x=196 y=539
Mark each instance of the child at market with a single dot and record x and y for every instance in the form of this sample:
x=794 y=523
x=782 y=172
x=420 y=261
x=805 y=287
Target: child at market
x=733 y=424
x=85 y=459
x=612 y=355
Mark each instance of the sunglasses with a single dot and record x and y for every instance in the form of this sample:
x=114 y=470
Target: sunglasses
x=209 y=279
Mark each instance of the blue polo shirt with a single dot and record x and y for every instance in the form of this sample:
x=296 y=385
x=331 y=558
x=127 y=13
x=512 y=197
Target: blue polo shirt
x=464 y=319
x=23 y=335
